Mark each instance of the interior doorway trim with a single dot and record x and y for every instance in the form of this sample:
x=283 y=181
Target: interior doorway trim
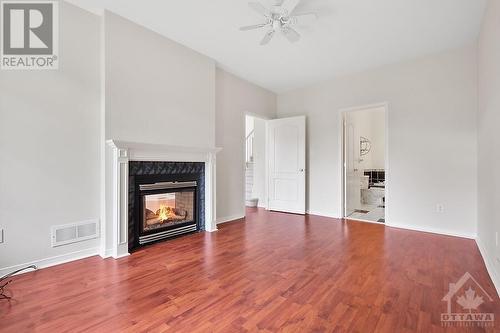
x=264 y=118
x=341 y=157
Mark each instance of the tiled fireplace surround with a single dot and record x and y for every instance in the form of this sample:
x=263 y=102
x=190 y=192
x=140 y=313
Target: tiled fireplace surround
x=119 y=154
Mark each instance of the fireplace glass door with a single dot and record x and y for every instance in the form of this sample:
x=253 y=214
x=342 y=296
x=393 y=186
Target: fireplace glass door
x=162 y=210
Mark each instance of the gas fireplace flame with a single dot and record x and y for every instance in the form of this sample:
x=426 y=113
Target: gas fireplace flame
x=165 y=213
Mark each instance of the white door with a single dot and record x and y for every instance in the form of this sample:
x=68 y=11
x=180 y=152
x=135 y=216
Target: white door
x=287 y=160
x=351 y=168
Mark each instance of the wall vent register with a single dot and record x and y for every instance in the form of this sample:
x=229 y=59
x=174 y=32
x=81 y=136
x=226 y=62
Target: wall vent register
x=74 y=232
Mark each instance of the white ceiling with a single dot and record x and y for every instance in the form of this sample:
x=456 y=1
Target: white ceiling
x=350 y=35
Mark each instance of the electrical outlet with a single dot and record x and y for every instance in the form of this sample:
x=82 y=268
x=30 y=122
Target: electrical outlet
x=439 y=208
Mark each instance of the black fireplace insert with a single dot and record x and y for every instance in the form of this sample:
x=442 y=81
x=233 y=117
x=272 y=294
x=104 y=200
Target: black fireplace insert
x=166 y=200
x=167 y=209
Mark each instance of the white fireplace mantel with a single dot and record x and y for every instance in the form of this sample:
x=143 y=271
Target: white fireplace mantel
x=121 y=152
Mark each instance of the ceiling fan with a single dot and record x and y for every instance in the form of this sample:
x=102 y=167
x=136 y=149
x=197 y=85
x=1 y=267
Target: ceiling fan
x=280 y=17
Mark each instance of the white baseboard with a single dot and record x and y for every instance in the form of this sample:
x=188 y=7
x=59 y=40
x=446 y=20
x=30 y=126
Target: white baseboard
x=123 y=255
x=323 y=214
x=431 y=230
x=230 y=218
x=490 y=265
x=53 y=261
x=106 y=254
x=402 y=226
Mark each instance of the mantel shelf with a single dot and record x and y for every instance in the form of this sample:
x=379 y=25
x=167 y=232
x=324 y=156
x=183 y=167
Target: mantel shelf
x=142 y=146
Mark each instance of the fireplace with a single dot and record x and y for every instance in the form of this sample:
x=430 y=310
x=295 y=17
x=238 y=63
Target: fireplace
x=166 y=200
x=167 y=209
x=134 y=163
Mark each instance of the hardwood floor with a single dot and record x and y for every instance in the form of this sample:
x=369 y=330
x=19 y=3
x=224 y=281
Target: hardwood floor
x=275 y=272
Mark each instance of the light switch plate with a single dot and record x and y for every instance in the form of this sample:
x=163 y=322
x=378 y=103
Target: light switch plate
x=1 y=235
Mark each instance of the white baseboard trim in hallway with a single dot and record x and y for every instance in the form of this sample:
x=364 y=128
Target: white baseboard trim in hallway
x=490 y=265
x=431 y=230
x=230 y=218
x=399 y=226
x=53 y=261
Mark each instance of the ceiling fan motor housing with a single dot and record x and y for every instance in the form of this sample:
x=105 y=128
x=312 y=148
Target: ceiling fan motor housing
x=279 y=18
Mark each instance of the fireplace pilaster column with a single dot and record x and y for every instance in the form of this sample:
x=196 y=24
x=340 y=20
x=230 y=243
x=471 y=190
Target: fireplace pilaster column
x=120 y=202
x=210 y=187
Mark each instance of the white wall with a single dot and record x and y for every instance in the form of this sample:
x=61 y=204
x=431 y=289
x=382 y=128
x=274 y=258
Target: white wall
x=431 y=136
x=235 y=98
x=377 y=154
x=157 y=90
x=49 y=145
x=489 y=140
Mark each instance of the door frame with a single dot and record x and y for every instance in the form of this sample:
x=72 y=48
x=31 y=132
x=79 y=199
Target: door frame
x=342 y=165
x=266 y=197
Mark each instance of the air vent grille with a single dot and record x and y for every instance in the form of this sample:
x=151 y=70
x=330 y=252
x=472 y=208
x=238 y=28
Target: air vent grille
x=74 y=232
x=65 y=234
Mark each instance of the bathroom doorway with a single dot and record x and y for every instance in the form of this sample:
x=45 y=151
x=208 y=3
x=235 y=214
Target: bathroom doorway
x=364 y=153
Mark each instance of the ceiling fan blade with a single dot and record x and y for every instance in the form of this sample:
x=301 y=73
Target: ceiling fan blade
x=259 y=8
x=252 y=27
x=290 y=5
x=290 y=34
x=267 y=38
x=304 y=19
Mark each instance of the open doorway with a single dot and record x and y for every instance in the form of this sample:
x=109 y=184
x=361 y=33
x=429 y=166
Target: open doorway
x=255 y=161
x=275 y=163
x=364 y=161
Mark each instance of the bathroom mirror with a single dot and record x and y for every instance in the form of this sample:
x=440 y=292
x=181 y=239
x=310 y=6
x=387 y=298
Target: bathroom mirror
x=364 y=146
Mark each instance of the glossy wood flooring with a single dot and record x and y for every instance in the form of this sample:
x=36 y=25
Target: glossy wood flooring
x=274 y=272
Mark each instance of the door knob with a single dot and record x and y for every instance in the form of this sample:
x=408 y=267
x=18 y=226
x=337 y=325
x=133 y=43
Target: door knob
x=301 y=170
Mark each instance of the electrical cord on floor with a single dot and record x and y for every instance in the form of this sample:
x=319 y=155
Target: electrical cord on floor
x=3 y=284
